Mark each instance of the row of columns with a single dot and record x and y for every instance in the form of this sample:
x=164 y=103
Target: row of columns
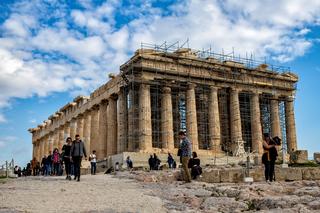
x=109 y=127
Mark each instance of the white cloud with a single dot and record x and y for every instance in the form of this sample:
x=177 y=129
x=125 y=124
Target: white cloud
x=2 y=119
x=76 y=51
x=6 y=140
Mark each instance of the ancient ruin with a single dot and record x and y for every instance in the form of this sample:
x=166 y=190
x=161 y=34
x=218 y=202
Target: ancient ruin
x=223 y=102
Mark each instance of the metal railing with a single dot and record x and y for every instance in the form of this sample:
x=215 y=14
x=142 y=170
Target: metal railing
x=7 y=168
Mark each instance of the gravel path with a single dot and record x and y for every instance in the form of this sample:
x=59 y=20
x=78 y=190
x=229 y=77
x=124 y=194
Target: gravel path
x=99 y=193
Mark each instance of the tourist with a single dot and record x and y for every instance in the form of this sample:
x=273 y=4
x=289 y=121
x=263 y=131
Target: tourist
x=93 y=162
x=194 y=164
x=129 y=163
x=269 y=157
x=151 y=162
x=170 y=161
x=157 y=162
x=43 y=165
x=48 y=164
x=34 y=166
x=56 y=161
x=78 y=150
x=186 y=150
x=66 y=157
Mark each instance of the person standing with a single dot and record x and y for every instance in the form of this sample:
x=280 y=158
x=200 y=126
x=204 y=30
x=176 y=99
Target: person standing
x=170 y=160
x=56 y=162
x=151 y=162
x=269 y=157
x=93 y=162
x=186 y=151
x=78 y=150
x=129 y=163
x=48 y=164
x=66 y=149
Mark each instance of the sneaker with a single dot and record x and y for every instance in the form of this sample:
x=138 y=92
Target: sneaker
x=75 y=177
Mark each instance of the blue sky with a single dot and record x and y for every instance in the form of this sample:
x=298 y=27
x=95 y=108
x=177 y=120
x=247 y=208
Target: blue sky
x=52 y=51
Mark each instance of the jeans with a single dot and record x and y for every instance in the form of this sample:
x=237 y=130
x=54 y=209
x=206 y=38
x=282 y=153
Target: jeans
x=77 y=165
x=67 y=165
x=187 y=175
x=93 y=168
x=269 y=170
x=48 y=169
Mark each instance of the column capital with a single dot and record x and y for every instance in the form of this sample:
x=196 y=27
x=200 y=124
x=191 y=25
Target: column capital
x=290 y=98
x=214 y=88
x=191 y=85
x=166 y=90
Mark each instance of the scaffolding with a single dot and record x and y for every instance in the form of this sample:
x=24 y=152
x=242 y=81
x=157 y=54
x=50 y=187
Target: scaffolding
x=163 y=76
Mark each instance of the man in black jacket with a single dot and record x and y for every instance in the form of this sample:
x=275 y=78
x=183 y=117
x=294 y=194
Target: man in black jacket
x=78 y=150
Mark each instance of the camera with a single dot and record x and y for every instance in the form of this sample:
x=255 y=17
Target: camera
x=276 y=140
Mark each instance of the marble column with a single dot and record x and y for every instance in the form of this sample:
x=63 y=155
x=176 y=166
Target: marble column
x=38 y=151
x=290 y=125
x=235 y=119
x=94 y=130
x=256 y=128
x=87 y=130
x=167 y=120
x=46 y=146
x=73 y=128
x=80 y=124
x=61 y=138
x=50 y=141
x=275 y=118
x=145 y=125
x=103 y=126
x=214 y=120
x=192 y=124
x=132 y=124
x=55 y=135
x=66 y=130
x=34 y=150
x=112 y=126
x=41 y=148
x=122 y=122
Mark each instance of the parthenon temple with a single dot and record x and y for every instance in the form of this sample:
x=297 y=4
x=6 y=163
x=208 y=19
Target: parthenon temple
x=222 y=102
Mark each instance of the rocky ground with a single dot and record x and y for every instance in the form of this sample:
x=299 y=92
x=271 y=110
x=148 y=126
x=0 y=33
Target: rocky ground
x=155 y=191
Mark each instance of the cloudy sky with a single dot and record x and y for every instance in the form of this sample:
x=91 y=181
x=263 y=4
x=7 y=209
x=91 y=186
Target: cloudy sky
x=51 y=51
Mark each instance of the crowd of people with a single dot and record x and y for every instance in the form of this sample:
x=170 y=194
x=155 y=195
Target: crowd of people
x=57 y=163
x=70 y=157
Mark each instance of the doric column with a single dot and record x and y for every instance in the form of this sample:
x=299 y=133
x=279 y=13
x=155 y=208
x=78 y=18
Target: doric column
x=38 y=151
x=51 y=140
x=290 y=125
x=45 y=144
x=131 y=121
x=67 y=130
x=80 y=124
x=235 y=119
x=122 y=122
x=256 y=128
x=275 y=118
x=167 y=119
x=192 y=124
x=103 y=126
x=55 y=135
x=112 y=126
x=214 y=120
x=145 y=128
x=87 y=130
x=73 y=128
x=94 y=131
x=61 y=138
x=43 y=149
